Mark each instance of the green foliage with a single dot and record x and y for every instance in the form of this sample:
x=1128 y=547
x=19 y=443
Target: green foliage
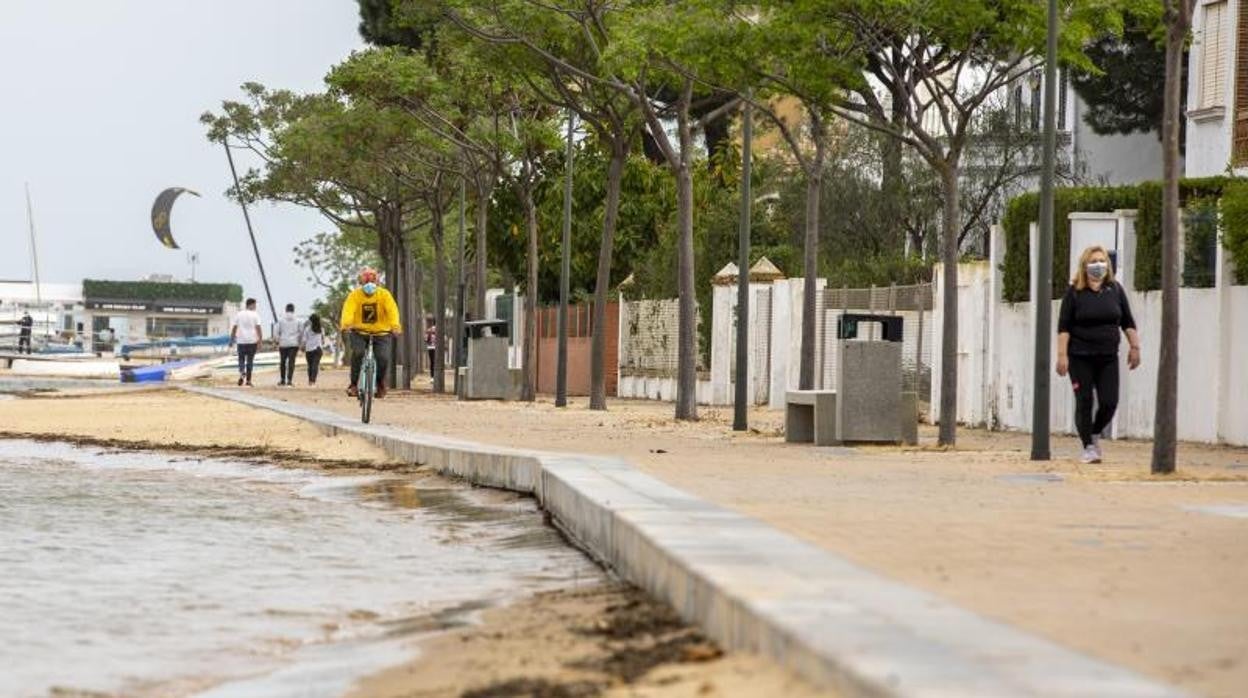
x=162 y=291
x=1024 y=210
x=1235 y=227
x=1200 y=244
x=1122 y=93
x=1144 y=198
x=882 y=269
x=1148 y=224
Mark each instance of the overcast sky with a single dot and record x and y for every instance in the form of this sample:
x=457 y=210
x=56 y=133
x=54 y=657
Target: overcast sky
x=101 y=112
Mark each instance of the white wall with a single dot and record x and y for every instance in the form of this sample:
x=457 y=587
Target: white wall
x=1213 y=360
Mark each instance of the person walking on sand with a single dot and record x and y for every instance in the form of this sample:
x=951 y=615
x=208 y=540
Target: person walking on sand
x=313 y=342
x=369 y=310
x=23 y=337
x=246 y=334
x=288 y=333
x=1094 y=311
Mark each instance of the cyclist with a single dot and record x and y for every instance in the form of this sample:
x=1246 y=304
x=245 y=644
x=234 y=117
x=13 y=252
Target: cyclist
x=369 y=310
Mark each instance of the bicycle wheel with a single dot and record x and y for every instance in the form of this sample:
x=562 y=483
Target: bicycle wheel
x=368 y=383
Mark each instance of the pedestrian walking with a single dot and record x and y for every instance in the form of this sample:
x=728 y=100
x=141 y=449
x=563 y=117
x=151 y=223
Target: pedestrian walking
x=23 y=337
x=313 y=342
x=246 y=334
x=431 y=343
x=1094 y=312
x=288 y=333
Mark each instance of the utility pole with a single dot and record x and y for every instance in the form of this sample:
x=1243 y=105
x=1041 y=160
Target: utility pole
x=740 y=418
x=255 y=248
x=34 y=247
x=565 y=271
x=1042 y=292
x=459 y=296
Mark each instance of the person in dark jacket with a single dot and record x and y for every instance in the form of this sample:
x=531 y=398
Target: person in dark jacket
x=1094 y=314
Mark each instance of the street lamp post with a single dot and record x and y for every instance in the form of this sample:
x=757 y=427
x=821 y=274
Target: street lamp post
x=740 y=419
x=1042 y=291
x=565 y=271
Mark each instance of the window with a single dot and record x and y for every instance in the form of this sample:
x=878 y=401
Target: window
x=1063 y=90
x=1239 y=152
x=167 y=327
x=1037 y=98
x=1213 y=49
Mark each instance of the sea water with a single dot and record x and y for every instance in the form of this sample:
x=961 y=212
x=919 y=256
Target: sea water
x=157 y=574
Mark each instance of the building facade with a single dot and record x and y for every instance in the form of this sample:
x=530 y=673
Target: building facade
x=1217 y=90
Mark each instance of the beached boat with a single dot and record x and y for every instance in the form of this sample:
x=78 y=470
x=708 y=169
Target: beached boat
x=73 y=368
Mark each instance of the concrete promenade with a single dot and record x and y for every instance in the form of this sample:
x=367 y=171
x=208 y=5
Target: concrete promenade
x=749 y=585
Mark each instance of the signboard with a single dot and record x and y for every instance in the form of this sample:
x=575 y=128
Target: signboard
x=117 y=305
x=172 y=308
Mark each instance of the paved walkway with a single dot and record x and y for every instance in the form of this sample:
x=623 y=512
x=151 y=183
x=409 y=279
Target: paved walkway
x=1144 y=573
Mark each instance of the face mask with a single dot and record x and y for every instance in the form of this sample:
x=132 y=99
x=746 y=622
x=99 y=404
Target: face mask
x=1096 y=270
x=290 y=316
x=370 y=288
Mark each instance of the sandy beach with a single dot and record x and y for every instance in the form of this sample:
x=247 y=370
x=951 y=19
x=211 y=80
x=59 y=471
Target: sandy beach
x=1097 y=558
x=594 y=640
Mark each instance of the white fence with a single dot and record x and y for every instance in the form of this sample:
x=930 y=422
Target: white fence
x=996 y=355
x=648 y=340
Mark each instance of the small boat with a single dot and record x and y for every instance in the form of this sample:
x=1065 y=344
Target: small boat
x=74 y=368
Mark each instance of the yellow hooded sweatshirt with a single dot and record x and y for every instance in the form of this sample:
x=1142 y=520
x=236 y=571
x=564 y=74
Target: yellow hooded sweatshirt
x=375 y=314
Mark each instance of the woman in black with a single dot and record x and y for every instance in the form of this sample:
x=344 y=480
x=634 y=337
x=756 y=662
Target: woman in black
x=1094 y=311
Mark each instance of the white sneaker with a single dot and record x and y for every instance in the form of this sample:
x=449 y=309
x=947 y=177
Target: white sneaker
x=1089 y=455
x=1096 y=446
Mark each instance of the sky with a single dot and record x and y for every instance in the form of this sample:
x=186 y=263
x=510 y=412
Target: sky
x=100 y=112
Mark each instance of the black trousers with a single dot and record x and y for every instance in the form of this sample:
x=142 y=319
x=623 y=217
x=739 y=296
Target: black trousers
x=23 y=343
x=314 y=364
x=1089 y=376
x=286 y=365
x=246 y=359
x=432 y=370
x=381 y=351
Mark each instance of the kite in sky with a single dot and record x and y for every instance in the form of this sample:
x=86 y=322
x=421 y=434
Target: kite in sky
x=160 y=215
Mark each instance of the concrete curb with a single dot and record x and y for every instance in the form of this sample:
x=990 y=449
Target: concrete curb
x=753 y=588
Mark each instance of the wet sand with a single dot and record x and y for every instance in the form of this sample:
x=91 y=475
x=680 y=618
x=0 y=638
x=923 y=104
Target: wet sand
x=599 y=640
x=603 y=640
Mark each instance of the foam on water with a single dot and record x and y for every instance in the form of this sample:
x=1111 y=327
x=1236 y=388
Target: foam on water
x=163 y=574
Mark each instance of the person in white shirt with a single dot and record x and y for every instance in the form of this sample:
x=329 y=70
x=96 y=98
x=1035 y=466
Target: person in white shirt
x=313 y=341
x=246 y=333
x=288 y=332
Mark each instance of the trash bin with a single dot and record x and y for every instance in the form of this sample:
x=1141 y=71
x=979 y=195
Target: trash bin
x=870 y=403
x=485 y=375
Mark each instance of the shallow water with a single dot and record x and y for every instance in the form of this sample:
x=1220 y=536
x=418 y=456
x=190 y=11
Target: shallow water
x=146 y=573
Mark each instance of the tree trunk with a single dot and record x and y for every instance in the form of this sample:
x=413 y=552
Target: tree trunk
x=1178 y=19
x=810 y=269
x=411 y=338
x=949 y=307
x=484 y=192
x=439 y=300
x=602 y=287
x=418 y=328
x=528 y=392
x=394 y=252
x=687 y=340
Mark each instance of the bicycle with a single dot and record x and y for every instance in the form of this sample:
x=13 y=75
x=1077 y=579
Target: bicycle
x=367 y=385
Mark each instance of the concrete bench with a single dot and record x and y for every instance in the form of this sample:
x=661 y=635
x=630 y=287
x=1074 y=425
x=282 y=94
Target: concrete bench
x=810 y=415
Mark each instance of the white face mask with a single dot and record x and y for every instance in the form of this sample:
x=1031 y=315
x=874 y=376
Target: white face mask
x=290 y=316
x=1097 y=270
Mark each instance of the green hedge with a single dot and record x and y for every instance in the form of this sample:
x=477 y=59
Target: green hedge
x=1148 y=224
x=1023 y=210
x=1145 y=198
x=1235 y=227
x=159 y=290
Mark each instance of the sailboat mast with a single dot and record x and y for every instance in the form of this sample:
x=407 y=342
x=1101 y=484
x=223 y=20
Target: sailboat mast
x=34 y=247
